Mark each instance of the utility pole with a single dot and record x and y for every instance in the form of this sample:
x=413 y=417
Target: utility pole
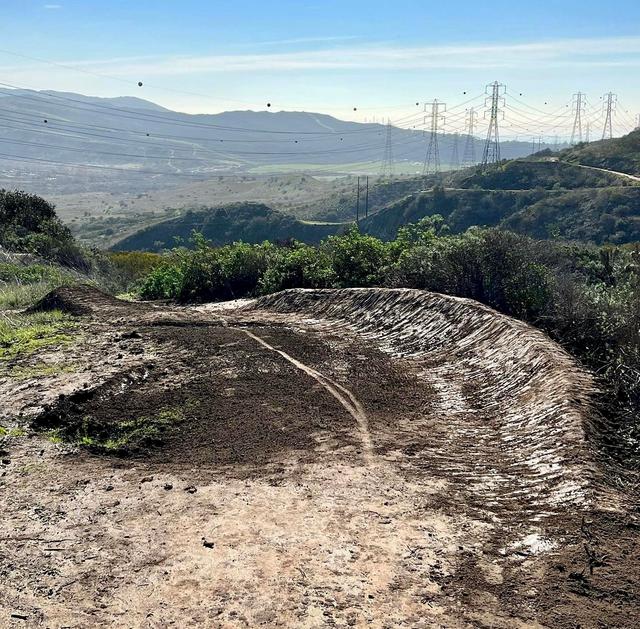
x=432 y=158
x=366 y=199
x=609 y=106
x=387 y=161
x=455 y=158
x=358 y=203
x=578 y=110
x=469 y=155
x=491 y=153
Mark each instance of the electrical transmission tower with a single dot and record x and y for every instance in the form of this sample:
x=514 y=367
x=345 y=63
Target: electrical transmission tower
x=578 y=111
x=432 y=158
x=455 y=157
x=469 y=155
x=491 y=153
x=609 y=106
x=387 y=160
x=637 y=123
x=588 y=133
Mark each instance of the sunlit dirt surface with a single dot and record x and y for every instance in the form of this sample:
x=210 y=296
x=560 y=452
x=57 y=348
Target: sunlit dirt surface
x=362 y=458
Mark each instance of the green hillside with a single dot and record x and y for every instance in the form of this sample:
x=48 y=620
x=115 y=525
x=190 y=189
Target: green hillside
x=619 y=154
x=592 y=215
x=249 y=222
x=528 y=174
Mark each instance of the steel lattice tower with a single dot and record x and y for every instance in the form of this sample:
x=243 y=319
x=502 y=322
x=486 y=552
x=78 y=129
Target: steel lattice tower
x=469 y=155
x=387 y=160
x=432 y=158
x=491 y=153
x=455 y=157
x=609 y=106
x=578 y=109
x=637 y=123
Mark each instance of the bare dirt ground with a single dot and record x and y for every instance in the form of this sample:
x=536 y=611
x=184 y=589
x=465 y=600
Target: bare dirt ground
x=362 y=458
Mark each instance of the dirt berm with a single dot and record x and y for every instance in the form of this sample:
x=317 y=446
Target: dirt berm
x=361 y=457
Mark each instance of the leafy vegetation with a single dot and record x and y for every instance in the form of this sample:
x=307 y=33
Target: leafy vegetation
x=29 y=224
x=599 y=215
x=22 y=285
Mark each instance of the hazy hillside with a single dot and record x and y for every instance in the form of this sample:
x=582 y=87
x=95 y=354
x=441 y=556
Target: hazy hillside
x=49 y=138
x=620 y=154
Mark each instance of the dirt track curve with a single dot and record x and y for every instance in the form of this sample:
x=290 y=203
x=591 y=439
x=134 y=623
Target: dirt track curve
x=348 y=458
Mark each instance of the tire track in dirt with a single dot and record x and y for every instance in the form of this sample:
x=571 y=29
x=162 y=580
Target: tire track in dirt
x=343 y=395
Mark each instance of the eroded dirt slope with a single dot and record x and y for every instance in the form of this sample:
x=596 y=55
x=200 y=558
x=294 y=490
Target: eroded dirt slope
x=369 y=458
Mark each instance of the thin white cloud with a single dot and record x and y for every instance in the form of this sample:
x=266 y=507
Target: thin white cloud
x=564 y=54
x=305 y=40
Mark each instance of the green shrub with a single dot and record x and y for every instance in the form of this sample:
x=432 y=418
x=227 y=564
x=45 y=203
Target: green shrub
x=163 y=282
x=29 y=224
x=356 y=259
x=299 y=266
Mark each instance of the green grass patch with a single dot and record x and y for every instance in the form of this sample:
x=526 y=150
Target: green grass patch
x=24 y=334
x=39 y=370
x=21 y=286
x=12 y=432
x=17 y=296
x=125 y=436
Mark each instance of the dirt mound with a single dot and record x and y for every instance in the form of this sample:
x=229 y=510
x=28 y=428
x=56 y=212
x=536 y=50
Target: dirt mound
x=313 y=458
x=77 y=300
x=507 y=389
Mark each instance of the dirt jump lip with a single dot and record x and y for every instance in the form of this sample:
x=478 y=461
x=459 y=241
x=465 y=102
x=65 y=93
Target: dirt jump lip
x=354 y=456
x=518 y=404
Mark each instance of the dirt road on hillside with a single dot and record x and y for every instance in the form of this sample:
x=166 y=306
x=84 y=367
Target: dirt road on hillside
x=344 y=459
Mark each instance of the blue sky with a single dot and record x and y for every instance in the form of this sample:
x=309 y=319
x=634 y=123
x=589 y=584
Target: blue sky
x=327 y=56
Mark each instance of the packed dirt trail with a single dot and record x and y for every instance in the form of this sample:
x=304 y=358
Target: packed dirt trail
x=346 y=458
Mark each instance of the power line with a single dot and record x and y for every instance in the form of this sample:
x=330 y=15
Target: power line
x=578 y=110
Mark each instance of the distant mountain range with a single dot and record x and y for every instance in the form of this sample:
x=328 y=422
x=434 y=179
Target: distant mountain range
x=55 y=135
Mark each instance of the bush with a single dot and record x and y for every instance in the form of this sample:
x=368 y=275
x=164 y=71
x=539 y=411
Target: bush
x=128 y=267
x=299 y=266
x=163 y=282
x=356 y=259
x=29 y=224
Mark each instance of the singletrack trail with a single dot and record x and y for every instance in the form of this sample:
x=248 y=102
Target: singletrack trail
x=344 y=396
